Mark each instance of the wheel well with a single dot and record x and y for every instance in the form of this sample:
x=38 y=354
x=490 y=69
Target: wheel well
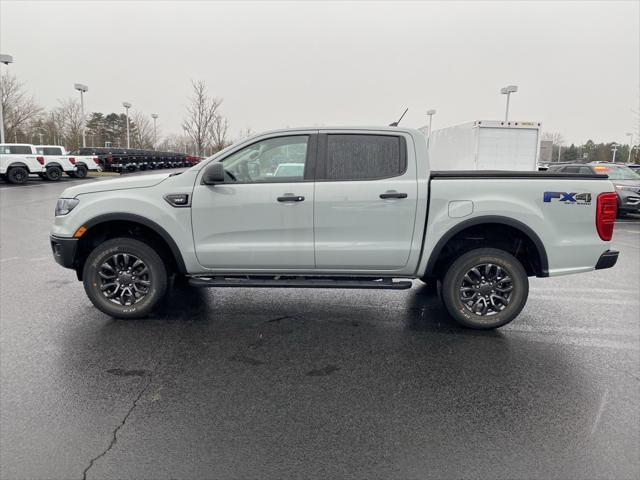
x=491 y=235
x=53 y=164
x=18 y=164
x=101 y=232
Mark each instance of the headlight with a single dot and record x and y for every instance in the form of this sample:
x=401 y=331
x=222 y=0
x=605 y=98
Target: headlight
x=628 y=188
x=65 y=205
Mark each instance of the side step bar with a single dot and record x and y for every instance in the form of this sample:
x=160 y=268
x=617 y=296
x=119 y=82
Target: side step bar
x=300 y=282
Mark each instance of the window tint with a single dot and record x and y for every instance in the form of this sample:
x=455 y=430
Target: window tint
x=49 y=151
x=364 y=157
x=20 y=149
x=572 y=169
x=280 y=159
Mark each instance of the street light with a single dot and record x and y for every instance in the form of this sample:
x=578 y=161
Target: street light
x=630 y=135
x=155 y=117
x=6 y=59
x=614 y=149
x=82 y=89
x=430 y=114
x=508 y=90
x=127 y=106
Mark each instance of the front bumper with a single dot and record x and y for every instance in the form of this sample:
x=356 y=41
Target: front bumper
x=607 y=260
x=64 y=250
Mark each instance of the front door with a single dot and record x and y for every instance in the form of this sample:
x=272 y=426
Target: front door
x=261 y=218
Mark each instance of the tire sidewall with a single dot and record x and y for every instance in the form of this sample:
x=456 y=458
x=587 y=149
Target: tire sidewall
x=81 y=171
x=53 y=174
x=453 y=280
x=148 y=255
x=22 y=174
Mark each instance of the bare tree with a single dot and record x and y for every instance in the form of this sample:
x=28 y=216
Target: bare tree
x=19 y=108
x=202 y=111
x=143 y=137
x=554 y=137
x=218 y=134
x=69 y=118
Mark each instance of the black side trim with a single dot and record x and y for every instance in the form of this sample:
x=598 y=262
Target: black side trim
x=484 y=174
x=300 y=282
x=109 y=217
x=542 y=253
x=607 y=260
x=64 y=250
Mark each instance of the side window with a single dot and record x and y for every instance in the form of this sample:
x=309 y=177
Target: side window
x=280 y=159
x=20 y=150
x=364 y=157
x=572 y=169
x=50 y=151
x=586 y=170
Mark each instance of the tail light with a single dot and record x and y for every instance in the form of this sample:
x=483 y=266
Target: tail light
x=96 y=160
x=109 y=159
x=40 y=160
x=72 y=160
x=606 y=211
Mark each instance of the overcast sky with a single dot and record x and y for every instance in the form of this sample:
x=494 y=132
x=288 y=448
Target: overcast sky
x=280 y=64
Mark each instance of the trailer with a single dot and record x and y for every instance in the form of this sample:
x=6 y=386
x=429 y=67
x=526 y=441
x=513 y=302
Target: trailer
x=485 y=145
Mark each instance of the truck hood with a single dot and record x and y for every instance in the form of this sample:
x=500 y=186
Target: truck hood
x=138 y=181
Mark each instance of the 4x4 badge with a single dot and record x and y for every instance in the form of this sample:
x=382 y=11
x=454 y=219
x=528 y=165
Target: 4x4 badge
x=569 y=198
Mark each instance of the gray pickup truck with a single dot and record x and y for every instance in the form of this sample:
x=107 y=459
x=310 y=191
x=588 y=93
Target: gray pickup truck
x=360 y=210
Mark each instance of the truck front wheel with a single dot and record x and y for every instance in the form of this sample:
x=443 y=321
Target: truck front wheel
x=53 y=173
x=18 y=175
x=125 y=278
x=485 y=288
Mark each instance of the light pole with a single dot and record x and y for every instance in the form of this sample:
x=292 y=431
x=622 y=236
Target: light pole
x=508 y=90
x=41 y=135
x=127 y=106
x=82 y=89
x=430 y=114
x=614 y=149
x=155 y=117
x=630 y=135
x=6 y=59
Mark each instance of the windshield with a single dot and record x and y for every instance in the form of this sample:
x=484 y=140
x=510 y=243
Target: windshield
x=617 y=172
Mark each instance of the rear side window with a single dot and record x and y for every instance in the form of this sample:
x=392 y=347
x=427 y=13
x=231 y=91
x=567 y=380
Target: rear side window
x=20 y=150
x=49 y=151
x=572 y=169
x=364 y=157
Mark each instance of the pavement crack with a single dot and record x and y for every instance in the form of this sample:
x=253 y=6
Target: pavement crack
x=114 y=437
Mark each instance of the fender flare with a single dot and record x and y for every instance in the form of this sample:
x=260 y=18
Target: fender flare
x=510 y=222
x=18 y=164
x=130 y=217
x=53 y=164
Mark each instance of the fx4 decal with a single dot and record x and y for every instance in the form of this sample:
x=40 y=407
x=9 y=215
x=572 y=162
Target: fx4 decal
x=572 y=198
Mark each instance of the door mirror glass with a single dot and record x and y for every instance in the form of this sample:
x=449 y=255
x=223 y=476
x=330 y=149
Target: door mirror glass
x=213 y=174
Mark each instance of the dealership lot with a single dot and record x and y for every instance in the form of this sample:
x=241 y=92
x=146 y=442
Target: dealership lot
x=249 y=383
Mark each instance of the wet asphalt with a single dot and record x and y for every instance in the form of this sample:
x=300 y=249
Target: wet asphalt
x=288 y=383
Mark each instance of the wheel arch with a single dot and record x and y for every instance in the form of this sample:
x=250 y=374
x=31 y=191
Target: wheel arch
x=122 y=221
x=18 y=164
x=541 y=268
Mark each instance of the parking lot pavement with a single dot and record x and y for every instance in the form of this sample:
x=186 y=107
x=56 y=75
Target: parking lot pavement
x=239 y=383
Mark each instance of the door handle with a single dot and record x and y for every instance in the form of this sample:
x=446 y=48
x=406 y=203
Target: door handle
x=393 y=194
x=289 y=197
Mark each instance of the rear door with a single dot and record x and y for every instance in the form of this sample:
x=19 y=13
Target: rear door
x=365 y=201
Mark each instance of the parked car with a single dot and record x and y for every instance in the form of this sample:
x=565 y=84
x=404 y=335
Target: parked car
x=56 y=162
x=366 y=212
x=83 y=163
x=624 y=179
x=18 y=160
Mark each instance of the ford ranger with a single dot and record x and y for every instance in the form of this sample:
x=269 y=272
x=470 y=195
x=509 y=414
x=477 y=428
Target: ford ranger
x=364 y=212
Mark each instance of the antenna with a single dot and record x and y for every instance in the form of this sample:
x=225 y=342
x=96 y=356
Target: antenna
x=395 y=124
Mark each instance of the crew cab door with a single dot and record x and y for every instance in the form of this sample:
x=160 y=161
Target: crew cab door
x=261 y=217
x=365 y=201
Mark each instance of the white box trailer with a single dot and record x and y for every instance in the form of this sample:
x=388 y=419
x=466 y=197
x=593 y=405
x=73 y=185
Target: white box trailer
x=486 y=145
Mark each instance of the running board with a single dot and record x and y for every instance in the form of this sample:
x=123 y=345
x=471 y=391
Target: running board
x=297 y=282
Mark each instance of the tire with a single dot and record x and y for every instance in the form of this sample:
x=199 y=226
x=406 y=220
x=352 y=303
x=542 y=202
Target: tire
x=53 y=174
x=118 y=253
x=497 y=313
x=18 y=175
x=81 y=171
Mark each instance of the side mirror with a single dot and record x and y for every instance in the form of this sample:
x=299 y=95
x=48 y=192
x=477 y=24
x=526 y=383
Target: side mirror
x=213 y=174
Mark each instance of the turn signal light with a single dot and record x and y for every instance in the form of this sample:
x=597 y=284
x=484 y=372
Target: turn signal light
x=606 y=211
x=80 y=232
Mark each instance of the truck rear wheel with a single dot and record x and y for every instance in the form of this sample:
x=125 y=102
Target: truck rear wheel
x=125 y=278
x=53 y=173
x=17 y=175
x=485 y=288
x=81 y=172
